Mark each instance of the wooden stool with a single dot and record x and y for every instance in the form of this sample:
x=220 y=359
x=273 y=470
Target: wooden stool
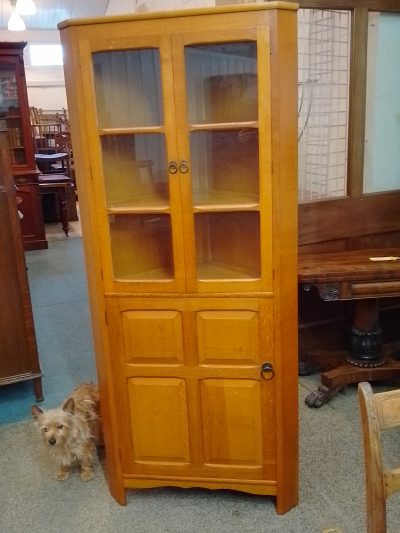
x=58 y=185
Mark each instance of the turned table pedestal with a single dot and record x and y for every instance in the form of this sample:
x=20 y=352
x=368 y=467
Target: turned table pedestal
x=363 y=276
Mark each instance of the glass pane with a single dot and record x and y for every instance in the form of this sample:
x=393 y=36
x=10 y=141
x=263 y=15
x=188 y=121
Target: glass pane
x=141 y=247
x=8 y=91
x=15 y=139
x=134 y=169
x=221 y=82
x=228 y=245
x=128 y=88
x=225 y=167
x=324 y=74
x=382 y=126
x=10 y=118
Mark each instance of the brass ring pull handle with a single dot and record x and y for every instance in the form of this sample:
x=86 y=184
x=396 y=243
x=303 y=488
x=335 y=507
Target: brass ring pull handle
x=267 y=371
x=173 y=167
x=183 y=166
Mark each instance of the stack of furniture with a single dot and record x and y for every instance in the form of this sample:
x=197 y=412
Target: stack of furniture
x=15 y=117
x=185 y=149
x=53 y=155
x=50 y=116
x=19 y=360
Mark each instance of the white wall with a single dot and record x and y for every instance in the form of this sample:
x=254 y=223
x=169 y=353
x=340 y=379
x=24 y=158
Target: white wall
x=46 y=85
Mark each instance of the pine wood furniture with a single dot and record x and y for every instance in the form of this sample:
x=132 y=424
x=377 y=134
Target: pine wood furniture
x=15 y=117
x=362 y=276
x=184 y=137
x=379 y=412
x=19 y=360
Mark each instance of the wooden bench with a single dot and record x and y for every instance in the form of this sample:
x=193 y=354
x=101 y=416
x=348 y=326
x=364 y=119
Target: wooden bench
x=363 y=276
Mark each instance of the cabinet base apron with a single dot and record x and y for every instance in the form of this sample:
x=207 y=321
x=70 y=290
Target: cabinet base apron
x=266 y=488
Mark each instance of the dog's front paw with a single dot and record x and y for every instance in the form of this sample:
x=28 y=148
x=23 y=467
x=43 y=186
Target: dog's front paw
x=62 y=474
x=86 y=475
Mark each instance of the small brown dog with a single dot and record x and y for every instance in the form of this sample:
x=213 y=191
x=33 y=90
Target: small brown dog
x=70 y=430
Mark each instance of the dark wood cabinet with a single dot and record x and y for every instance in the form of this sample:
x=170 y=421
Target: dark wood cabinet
x=14 y=117
x=19 y=360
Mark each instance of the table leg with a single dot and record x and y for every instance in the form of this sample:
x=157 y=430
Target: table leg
x=62 y=196
x=366 y=335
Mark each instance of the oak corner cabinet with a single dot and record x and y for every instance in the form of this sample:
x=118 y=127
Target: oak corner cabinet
x=15 y=118
x=184 y=130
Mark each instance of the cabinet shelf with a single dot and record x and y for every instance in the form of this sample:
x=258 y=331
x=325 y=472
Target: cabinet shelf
x=214 y=271
x=131 y=130
x=253 y=124
x=216 y=200
x=156 y=274
x=140 y=204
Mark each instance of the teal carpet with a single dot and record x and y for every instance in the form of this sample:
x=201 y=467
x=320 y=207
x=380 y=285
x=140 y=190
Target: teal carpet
x=57 y=282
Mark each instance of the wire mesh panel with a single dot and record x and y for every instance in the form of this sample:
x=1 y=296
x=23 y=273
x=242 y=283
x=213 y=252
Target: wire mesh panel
x=324 y=72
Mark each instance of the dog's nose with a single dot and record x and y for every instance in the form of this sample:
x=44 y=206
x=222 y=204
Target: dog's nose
x=52 y=441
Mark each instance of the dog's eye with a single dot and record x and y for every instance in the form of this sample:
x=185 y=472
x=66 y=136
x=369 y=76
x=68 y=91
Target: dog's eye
x=60 y=426
x=45 y=430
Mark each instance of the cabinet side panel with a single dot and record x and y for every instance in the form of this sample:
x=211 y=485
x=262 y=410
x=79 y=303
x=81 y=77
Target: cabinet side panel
x=284 y=150
x=76 y=108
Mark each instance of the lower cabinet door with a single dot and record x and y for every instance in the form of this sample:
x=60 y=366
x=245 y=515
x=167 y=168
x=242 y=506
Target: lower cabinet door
x=191 y=398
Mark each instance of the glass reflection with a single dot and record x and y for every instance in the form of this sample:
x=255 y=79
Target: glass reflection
x=221 y=82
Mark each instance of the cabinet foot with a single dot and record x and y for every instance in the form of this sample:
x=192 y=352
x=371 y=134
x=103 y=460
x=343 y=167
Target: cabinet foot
x=37 y=388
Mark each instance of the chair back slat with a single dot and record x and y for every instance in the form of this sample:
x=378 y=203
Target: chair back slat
x=388 y=408
x=379 y=412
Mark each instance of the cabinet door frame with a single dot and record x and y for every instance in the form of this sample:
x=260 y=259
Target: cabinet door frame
x=260 y=36
x=162 y=43
x=194 y=372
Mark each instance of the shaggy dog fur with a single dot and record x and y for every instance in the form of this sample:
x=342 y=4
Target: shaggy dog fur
x=70 y=430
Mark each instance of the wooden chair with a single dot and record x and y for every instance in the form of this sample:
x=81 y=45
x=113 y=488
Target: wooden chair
x=379 y=412
x=54 y=178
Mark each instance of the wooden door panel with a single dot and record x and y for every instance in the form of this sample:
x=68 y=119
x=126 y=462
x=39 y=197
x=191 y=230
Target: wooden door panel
x=14 y=351
x=231 y=419
x=159 y=420
x=152 y=337
x=188 y=379
x=227 y=337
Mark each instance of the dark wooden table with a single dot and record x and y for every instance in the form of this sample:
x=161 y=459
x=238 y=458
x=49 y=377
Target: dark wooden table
x=353 y=275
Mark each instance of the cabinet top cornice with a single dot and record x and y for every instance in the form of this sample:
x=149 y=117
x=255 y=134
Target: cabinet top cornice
x=179 y=13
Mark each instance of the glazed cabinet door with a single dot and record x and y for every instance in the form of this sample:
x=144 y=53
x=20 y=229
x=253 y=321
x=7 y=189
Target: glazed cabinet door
x=180 y=153
x=192 y=397
x=222 y=85
x=130 y=114
x=14 y=109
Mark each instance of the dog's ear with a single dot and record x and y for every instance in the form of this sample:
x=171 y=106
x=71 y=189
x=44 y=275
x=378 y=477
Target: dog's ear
x=36 y=411
x=69 y=406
